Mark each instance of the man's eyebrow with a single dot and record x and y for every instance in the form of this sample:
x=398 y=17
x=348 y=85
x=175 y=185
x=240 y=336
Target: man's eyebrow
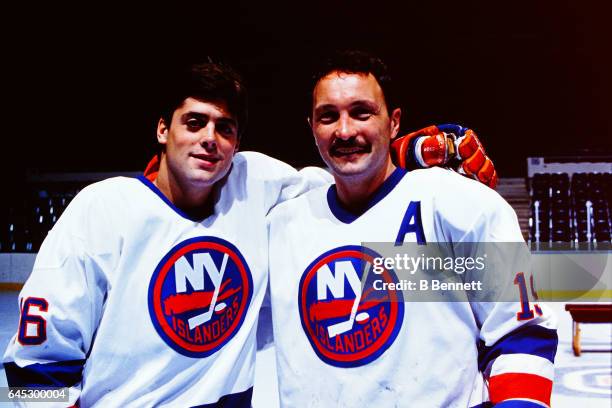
x=366 y=103
x=359 y=103
x=192 y=114
x=198 y=115
x=228 y=121
x=327 y=106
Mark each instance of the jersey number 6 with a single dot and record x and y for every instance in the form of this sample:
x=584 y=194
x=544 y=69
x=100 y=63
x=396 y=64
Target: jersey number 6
x=28 y=322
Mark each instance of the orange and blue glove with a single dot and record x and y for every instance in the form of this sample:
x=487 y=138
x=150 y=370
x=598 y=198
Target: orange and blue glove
x=446 y=145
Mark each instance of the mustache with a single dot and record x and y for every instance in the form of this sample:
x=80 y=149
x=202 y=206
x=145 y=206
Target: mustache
x=348 y=143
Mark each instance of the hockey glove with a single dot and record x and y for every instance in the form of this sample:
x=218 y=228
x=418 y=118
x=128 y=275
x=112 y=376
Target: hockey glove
x=445 y=145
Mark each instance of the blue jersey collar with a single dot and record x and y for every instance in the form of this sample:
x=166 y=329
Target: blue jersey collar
x=347 y=216
x=165 y=199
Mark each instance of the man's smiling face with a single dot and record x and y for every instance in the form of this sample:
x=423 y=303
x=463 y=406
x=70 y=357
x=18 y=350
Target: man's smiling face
x=200 y=142
x=351 y=124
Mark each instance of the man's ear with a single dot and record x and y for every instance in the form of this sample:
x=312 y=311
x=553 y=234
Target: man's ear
x=162 y=131
x=395 y=122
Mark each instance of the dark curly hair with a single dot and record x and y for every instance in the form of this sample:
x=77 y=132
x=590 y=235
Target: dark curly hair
x=357 y=62
x=208 y=81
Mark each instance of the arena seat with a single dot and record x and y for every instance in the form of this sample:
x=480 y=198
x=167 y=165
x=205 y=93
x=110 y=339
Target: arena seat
x=570 y=209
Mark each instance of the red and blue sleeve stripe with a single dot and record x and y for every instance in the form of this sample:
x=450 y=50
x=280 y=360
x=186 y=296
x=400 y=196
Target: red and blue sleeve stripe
x=533 y=339
x=520 y=367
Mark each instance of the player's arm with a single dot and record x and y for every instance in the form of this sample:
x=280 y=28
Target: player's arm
x=518 y=336
x=445 y=145
x=518 y=343
x=60 y=307
x=282 y=182
x=518 y=366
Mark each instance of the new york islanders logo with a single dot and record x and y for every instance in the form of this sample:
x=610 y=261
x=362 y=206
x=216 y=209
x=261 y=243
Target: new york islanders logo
x=348 y=328
x=199 y=295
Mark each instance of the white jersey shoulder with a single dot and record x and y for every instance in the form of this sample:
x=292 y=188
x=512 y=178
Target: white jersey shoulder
x=465 y=205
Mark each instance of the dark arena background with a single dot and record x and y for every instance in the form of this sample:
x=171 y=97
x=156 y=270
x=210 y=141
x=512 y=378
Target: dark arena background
x=533 y=79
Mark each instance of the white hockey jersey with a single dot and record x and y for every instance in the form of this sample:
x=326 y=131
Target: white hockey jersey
x=131 y=303
x=333 y=351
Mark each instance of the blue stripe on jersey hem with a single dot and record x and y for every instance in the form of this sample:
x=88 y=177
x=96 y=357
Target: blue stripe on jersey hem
x=518 y=404
x=59 y=374
x=535 y=340
x=347 y=216
x=161 y=195
x=238 y=400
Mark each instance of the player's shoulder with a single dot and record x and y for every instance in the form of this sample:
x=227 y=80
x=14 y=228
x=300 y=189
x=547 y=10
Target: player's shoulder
x=101 y=195
x=470 y=206
x=107 y=189
x=259 y=161
x=258 y=169
x=445 y=176
x=450 y=187
x=98 y=203
x=301 y=205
